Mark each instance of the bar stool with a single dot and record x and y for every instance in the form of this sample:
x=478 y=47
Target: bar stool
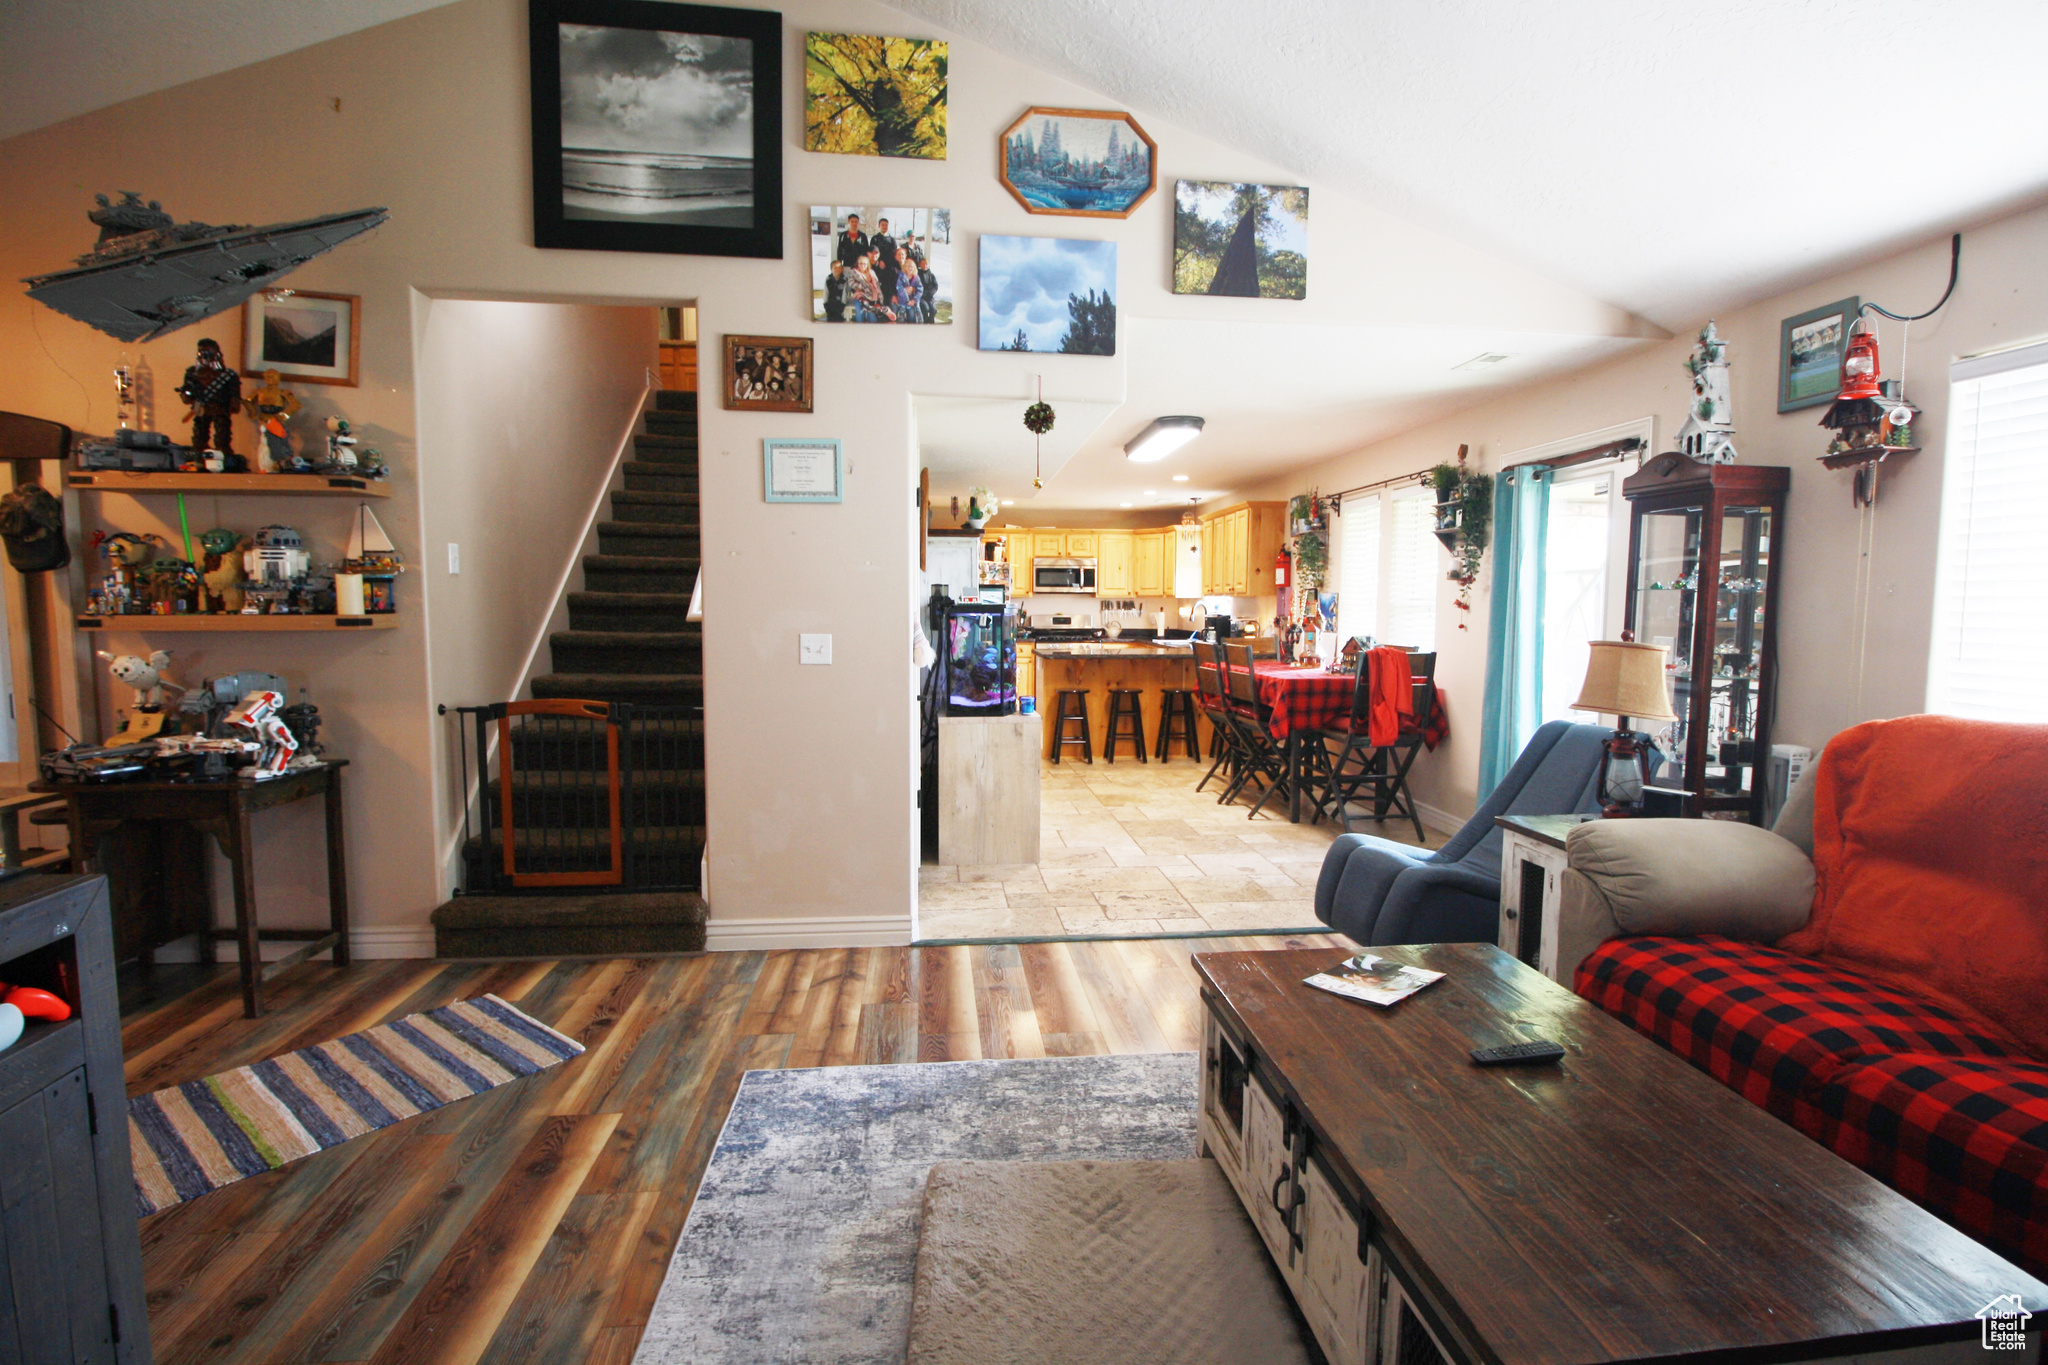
x=1125 y=704
x=1177 y=721
x=1073 y=707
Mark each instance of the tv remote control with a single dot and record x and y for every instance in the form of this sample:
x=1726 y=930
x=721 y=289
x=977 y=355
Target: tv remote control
x=1539 y=1050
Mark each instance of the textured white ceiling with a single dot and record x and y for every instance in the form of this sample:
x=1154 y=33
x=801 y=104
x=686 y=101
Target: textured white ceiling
x=59 y=60
x=1674 y=157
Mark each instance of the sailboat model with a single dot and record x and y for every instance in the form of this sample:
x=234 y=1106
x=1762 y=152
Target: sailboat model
x=370 y=551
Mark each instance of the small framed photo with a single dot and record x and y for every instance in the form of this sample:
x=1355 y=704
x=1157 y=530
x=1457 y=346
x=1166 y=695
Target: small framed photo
x=1810 y=354
x=801 y=470
x=768 y=374
x=311 y=338
x=656 y=127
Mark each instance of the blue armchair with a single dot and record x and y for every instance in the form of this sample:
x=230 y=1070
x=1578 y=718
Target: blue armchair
x=1378 y=891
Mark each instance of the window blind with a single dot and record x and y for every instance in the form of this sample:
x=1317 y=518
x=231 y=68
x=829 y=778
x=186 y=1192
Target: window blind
x=1415 y=567
x=1990 y=650
x=1358 y=574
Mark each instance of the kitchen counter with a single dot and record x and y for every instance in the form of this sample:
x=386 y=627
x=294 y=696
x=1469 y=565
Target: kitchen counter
x=1100 y=668
x=1112 y=649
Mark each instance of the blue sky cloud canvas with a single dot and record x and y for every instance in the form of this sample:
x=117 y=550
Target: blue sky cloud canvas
x=1048 y=294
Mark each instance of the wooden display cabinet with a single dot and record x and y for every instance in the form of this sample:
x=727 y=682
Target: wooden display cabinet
x=1704 y=547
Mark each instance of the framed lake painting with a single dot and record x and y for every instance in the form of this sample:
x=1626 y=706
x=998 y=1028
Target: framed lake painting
x=656 y=127
x=1810 y=355
x=1086 y=163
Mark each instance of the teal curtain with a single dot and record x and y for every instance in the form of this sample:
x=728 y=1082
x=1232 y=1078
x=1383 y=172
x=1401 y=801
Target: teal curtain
x=1514 y=632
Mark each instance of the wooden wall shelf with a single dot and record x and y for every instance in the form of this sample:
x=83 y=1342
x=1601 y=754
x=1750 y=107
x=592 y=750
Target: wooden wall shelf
x=315 y=485
x=143 y=624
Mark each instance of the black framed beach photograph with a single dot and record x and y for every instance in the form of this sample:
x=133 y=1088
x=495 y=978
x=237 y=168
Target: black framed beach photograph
x=1810 y=354
x=306 y=337
x=656 y=127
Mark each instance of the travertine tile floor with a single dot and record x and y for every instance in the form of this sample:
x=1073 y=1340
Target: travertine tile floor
x=1133 y=849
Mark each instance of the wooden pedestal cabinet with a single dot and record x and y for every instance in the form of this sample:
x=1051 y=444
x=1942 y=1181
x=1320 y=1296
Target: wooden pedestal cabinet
x=70 y=1252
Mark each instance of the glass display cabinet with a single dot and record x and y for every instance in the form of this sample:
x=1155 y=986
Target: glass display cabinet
x=1704 y=545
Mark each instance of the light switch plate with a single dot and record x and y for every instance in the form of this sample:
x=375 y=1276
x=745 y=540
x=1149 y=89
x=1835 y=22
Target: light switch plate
x=454 y=557
x=814 y=649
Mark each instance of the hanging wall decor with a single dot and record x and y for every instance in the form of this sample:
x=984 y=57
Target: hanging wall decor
x=870 y=96
x=891 y=265
x=1085 y=163
x=1022 y=283
x=1810 y=354
x=768 y=374
x=656 y=127
x=1250 y=241
x=1464 y=518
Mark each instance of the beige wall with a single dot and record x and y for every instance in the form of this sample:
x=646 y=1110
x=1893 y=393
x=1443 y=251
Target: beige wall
x=811 y=770
x=1838 y=667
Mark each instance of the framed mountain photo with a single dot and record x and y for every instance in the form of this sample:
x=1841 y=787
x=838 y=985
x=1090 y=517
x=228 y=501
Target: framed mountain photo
x=656 y=127
x=1085 y=163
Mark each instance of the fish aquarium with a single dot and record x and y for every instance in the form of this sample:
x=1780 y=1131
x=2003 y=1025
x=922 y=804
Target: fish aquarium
x=979 y=652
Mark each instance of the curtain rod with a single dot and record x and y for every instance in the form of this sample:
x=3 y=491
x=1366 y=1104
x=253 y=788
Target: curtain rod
x=1625 y=446
x=1419 y=476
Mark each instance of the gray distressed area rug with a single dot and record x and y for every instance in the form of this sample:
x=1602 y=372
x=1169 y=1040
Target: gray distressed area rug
x=801 y=1247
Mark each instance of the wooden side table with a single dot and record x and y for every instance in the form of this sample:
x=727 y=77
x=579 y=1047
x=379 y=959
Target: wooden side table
x=1532 y=859
x=110 y=820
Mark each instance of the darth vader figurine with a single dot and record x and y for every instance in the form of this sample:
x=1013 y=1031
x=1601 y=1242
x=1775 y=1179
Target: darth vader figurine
x=215 y=393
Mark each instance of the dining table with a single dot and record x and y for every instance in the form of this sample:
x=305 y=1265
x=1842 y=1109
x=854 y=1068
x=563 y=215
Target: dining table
x=1304 y=701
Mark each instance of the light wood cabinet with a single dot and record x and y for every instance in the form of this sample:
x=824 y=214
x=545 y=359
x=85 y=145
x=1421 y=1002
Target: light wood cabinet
x=1027 y=669
x=1083 y=544
x=1150 y=553
x=1113 y=564
x=1239 y=545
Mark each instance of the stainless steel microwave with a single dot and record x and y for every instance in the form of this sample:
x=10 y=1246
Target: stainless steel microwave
x=1063 y=575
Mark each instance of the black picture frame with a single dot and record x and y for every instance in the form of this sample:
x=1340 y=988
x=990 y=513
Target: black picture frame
x=762 y=236
x=1802 y=392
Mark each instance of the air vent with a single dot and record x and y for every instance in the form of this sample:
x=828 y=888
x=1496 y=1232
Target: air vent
x=1483 y=360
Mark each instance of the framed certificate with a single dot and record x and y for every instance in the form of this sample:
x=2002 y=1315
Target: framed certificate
x=801 y=471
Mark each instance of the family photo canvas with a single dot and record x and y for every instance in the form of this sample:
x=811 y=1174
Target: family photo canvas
x=881 y=265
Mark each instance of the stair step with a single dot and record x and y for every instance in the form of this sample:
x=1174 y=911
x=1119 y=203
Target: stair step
x=675 y=400
x=675 y=509
x=671 y=424
x=647 y=689
x=659 y=746
x=609 y=924
x=603 y=651
x=629 y=612
x=647 y=539
x=665 y=445
x=638 y=573
x=644 y=476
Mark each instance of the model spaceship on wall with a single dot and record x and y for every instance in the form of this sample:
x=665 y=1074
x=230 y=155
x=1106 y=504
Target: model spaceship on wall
x=148 y=274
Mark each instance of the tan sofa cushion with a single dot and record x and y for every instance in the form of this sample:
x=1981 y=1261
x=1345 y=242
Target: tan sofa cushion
x=1694 y=877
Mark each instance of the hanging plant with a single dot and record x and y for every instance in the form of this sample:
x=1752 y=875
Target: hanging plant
x=1464 y=516
x=1311 y=561
x=1038 y=418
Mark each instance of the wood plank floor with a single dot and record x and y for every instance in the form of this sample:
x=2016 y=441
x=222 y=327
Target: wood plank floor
x=534 y=1223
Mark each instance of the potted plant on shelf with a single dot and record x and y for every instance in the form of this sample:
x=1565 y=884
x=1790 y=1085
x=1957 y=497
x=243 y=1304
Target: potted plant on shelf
x=981 y=505
x=1464 y=516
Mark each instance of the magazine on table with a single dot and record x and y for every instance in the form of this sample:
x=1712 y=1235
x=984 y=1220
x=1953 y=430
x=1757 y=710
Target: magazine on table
x=1373 y=979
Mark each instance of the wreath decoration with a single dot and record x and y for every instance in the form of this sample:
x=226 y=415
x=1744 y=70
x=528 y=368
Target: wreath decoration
x=1038 y=418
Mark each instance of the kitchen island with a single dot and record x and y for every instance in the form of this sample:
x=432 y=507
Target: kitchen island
x=1099 y=669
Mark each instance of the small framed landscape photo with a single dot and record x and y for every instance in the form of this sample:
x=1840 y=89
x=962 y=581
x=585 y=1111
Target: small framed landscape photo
x=310 y=338
x=1086 y=163
x=656 y=127
x=1810 y=354
x=801 y=470
x=768 y=374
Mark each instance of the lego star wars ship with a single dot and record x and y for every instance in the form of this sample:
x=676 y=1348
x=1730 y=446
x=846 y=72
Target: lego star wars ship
x=148 y=274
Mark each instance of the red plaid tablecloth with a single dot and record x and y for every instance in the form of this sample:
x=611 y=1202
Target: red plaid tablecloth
x=1302 y=698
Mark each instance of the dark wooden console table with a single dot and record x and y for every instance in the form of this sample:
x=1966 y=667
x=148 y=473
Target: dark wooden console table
x=1616 y=1206
x=149 y=837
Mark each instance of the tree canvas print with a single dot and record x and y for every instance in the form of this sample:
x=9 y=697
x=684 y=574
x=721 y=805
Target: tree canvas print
x=1050 y=294
x=869 y=96
x=1246 y=241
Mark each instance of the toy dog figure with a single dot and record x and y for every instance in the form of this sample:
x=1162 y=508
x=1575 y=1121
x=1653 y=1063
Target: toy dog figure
x=257 y=713
x=147 y=676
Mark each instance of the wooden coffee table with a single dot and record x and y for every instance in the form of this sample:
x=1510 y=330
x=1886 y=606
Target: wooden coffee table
x=1617 y=1206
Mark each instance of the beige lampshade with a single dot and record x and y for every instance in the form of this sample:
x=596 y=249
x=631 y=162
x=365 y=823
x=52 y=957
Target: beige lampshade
x=1626 y=679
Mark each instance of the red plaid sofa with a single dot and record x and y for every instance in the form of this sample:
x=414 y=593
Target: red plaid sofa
x=1900 y=1027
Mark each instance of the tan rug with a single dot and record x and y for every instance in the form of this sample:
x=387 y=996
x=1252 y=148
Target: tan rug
x=1108 y=1262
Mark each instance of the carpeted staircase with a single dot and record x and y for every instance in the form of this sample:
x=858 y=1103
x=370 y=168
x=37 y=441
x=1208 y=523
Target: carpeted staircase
x=627 y=641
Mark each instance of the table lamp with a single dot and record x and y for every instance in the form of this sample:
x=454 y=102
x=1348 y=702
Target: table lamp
x=1625 y=680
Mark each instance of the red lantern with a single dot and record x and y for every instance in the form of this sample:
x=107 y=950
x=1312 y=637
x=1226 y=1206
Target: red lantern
x=1859 y=367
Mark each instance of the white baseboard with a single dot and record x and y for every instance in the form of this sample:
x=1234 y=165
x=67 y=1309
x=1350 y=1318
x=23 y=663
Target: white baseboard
x=826 y=931
x=1442 y=821
x=393 y=941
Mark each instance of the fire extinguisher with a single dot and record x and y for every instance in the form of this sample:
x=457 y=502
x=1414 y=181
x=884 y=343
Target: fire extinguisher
x=1280 y=566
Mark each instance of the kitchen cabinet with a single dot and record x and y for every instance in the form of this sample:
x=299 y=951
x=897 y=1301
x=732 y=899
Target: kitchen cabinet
x=1239 y=545
x=1027 y=669
x=1083 y=545
x=1113 y=564
x=1150 y=553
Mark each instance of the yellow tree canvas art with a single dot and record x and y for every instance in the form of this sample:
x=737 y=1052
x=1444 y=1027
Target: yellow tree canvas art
x=869 y=96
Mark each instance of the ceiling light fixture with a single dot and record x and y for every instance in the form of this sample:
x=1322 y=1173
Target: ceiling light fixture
x=1180 y=478
x=1161 y=437
x=1123 y=504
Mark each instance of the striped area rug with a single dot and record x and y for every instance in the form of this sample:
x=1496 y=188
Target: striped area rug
x=204 y=1134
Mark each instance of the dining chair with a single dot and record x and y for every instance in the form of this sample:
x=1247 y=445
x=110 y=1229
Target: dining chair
x=1381 y=771
x=1265 y=753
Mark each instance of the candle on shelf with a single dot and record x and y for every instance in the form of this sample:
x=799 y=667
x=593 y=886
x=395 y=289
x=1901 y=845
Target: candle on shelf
x=348 y=594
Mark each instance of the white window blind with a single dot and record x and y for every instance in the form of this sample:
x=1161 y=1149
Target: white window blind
x=1358 y=578
x=1990 y=654
x=1415 y=567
